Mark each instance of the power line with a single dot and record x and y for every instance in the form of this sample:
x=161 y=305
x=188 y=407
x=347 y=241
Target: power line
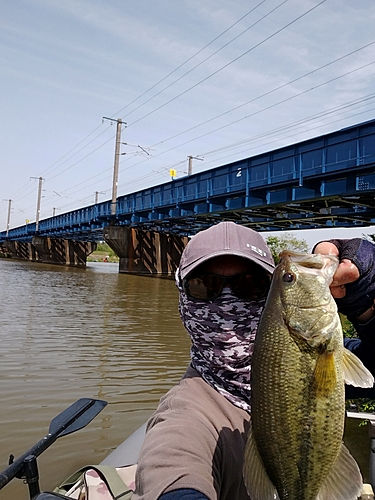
x=189 y=59
x=269 y=92
x=267 y=108
x=209 y=76
x=231 y=62
x=259 y=111
x=210 y=56
x=72 y=149
x=176 y=69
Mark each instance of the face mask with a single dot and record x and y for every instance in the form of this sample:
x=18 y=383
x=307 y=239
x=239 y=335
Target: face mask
x=222 y=332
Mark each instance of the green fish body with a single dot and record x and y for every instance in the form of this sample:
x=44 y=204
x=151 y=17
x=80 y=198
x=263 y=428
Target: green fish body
x=299 y=367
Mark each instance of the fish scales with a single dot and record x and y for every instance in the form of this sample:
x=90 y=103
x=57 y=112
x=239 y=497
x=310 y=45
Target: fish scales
x=297 y=415
x=292 y=426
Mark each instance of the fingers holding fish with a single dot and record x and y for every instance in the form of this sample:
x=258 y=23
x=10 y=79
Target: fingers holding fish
x=353 y=285
x=347 y=271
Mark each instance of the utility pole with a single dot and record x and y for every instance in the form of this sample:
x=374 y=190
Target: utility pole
x=8 y=217
x=38 y=202
x=116 y=162
x=97 y=193
x=190 y=165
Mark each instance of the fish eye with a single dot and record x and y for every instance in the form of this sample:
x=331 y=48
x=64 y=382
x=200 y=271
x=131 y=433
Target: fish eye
x=288 y=277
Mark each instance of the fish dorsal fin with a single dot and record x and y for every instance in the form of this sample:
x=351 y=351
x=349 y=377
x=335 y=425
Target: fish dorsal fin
x=355 y=372
x=344 y=481
x=325 y=374
x=259 y=486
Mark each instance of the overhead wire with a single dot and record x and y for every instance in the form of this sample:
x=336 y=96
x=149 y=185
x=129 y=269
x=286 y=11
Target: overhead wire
x=208 y=57
x=267 y=108
x=322 y=114
x=190 y=58
x=209 y=76
x=153 y=86
x=285 y=128
x=72 y=149
x=269 y=92
x=281 y=129
x=229 y=63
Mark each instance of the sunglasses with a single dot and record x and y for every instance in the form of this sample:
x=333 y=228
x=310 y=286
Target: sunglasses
x=248 y=286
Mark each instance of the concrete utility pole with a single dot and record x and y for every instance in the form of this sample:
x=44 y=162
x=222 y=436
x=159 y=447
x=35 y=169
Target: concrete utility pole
x=38 y=202
x=8 y=218
x=116 y=162
x=190 y=165
x=97 y=193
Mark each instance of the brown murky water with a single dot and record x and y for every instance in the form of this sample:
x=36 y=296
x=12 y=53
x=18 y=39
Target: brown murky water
x=70 y=333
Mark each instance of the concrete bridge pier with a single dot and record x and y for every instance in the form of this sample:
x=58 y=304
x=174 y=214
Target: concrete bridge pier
x=62 y=251
x=52 y=251
x=145 y=252
x=21 y=250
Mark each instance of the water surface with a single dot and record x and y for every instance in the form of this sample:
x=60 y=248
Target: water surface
x=69 y=333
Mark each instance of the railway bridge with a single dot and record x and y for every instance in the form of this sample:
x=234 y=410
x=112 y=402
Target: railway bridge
x=326 y=181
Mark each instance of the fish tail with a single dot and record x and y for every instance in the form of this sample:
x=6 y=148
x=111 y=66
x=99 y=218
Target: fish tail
x=325 y=374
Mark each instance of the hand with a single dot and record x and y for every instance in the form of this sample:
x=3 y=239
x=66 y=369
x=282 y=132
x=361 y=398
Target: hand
x=347 y=271
x=358 y=303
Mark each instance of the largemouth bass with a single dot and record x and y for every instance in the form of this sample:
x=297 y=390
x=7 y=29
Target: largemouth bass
x=299 y=365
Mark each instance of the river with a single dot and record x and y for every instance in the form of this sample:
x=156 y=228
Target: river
x=69 y=333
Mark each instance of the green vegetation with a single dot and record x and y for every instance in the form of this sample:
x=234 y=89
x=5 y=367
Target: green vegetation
x=285 y=242
x=103 y=253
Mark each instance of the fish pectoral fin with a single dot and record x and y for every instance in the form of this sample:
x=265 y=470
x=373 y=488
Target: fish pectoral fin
x=259 y=486
x=355 y=372
x=325 y=374
x=344 y=481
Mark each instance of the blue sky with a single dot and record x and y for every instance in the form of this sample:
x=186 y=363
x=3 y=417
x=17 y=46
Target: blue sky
x=219 y=79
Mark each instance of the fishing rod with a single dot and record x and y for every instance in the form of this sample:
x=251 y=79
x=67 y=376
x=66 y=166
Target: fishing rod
x=74 y=418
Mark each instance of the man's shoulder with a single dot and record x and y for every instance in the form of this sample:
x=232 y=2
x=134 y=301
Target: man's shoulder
x=196 y=399
x=190 y=388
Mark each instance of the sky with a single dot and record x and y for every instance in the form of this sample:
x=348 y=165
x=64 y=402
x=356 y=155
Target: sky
x=219 y=80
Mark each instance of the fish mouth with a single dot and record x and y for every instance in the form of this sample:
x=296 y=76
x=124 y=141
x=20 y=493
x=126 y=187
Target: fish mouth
x=312 y=263
x=309 y=311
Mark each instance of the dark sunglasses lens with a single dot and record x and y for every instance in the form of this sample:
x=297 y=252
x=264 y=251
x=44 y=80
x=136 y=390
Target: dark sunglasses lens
x=249 y=286
x=205 y=286
x=244 y=286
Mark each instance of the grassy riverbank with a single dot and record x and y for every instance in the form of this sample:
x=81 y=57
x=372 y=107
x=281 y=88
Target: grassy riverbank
x=103 y=253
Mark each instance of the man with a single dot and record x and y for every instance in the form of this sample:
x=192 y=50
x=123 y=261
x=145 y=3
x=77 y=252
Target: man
x=195 y=440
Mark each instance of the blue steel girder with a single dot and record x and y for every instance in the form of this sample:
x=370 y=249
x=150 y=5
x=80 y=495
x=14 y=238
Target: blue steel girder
x=324 y=181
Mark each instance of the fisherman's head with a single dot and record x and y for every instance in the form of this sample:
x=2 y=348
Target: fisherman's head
x=226 y=255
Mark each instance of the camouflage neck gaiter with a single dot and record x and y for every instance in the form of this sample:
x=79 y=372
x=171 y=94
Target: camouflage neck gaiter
x=222 y=332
